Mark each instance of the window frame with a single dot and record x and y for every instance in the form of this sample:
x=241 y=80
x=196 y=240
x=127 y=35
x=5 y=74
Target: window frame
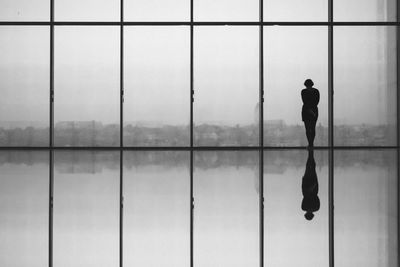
x=330 y=24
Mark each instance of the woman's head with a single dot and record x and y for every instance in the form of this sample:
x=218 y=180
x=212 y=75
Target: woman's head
x=309 y=215
x=308 y=83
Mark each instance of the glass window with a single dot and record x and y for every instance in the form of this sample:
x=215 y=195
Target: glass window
x=364 y=10
x=87 y=10
x=156 y=10
x=157 y=208
x=365 y=85
x=226 y=85
x=296 y=208
x=24 y=206
x=24 y=86
x=86 y=208
x=226 y=10
x=226 y=209
x=25 y=10
x=87 y=86
x=292 y=55
x=157 y=86
x=366 y=208
x=293 y=10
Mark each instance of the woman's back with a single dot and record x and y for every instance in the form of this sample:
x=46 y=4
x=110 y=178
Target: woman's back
x=310 y=97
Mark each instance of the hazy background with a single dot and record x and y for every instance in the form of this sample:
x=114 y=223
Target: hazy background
x=226 y=71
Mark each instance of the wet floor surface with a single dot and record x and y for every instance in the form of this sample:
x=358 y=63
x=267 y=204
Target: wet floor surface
x=226 y=215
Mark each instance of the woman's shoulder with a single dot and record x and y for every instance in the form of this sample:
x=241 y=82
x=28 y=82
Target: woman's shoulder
x=316 y=91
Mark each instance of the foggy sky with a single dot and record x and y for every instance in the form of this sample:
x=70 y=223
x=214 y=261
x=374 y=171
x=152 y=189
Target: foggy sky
x=225 y=66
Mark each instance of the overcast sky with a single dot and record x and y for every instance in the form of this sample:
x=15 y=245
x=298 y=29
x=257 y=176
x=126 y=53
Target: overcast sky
x=226 y=62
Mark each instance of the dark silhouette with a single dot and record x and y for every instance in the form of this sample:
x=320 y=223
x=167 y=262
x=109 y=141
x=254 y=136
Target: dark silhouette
x=309 y=112
x=309 y=187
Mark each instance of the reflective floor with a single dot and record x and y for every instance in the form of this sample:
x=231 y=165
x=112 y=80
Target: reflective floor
x=226 y=217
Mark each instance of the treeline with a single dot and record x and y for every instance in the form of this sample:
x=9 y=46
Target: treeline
x=95 y=134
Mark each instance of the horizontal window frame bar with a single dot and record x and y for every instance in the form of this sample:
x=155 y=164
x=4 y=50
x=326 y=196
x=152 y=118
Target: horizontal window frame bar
x=199 y=23
x=201 y=148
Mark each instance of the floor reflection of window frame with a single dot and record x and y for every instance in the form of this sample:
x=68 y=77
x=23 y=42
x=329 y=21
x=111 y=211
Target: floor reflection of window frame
x=330 y=24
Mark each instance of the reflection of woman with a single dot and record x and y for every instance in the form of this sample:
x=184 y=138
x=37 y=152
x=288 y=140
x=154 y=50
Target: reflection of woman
x=309 y=112
x=309 y=187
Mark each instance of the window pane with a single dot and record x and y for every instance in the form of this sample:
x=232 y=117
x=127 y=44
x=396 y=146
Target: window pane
x=296 y=182
x=24 y=10
x=293 y=10
x=87 y=10
x=226 y=10
x=24 y=206
x=366 y=208
x=156 y=10
x=364 y=10
x=24 y=85
x=365 y=85
x=157 y=209
x=87 y=86
x=292 y=55
x=226 y=209
x=157 y=86
x=226 y=86
x=86 y=209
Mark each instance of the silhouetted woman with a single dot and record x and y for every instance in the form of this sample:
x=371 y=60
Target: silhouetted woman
x=309 y=187
x=309 y=112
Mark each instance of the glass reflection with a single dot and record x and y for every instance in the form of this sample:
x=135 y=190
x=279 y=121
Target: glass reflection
x=293 y=10
x=24 y=86
x=87 y=86
x=364 y=10
x=226 y=209
x=24 y=10
x=87 y=10
x=366 y=208
x=157 y=78
x=309 y=188
x=292 y=55
x=157 y=208
x=290 y=239
x=365 y=86
x=24 y=205
x=226 y=86
x=86 y=208
x=226 y=10
x=156 y=10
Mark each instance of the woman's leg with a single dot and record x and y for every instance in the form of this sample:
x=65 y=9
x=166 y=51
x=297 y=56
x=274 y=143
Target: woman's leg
x=310 y=132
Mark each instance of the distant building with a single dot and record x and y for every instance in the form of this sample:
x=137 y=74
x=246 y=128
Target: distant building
x=257 y=114
x=275 y=123
x=78 y=124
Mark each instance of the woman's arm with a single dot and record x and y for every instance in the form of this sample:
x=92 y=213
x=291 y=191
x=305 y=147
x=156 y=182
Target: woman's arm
x=317 y=96
x=302 y=96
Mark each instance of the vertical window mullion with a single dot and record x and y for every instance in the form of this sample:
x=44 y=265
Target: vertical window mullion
x=121 y=154
x=261 y=130
x=51 y=130
x=191 y=135
x=121 y=74
x=330 y=135
x=398 y=125
x=121 y=206
x=51 y=197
